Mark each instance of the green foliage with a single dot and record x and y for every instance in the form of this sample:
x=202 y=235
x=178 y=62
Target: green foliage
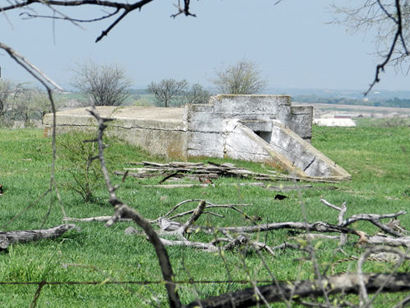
x=78 y=161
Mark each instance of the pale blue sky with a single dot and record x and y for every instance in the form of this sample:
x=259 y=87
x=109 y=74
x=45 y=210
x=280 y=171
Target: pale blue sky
x=291 y=43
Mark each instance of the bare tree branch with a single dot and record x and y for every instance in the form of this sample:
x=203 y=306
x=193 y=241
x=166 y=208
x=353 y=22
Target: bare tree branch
x=33 y=304
x=28 y=15
x=198 y=211
x=398 y=34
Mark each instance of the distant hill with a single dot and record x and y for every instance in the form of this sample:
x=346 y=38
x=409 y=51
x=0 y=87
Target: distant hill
x=382 y=98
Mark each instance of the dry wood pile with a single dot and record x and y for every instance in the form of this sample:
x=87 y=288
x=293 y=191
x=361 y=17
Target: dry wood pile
x=205 y=173
x=209 y=170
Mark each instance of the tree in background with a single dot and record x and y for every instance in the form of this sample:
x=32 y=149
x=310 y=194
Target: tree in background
x=5 y=92
x=240 y=78
x=196 y=95
x=105 y=85
x=28 y=104
x=21 y=102
x=167 y=91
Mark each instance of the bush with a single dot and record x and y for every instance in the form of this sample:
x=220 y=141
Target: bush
x=76 y=156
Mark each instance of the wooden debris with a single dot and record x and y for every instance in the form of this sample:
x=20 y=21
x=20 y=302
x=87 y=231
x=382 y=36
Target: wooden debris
x=10 y=237
x=93 y=219
x=207 y=172
x=255 y=184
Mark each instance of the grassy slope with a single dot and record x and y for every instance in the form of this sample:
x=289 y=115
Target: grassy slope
x=377 y=158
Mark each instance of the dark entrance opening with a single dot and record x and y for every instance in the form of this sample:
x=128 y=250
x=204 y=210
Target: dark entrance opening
x=264 y=135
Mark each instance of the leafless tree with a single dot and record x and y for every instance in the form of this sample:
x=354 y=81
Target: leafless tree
x=167 y=91
x=105 y=85
x=28 y=104
x=22 y=102
x=240 y=78
x=5 y=92
x=196 y=94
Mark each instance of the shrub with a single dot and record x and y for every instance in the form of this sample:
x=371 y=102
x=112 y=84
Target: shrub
x=76 y=155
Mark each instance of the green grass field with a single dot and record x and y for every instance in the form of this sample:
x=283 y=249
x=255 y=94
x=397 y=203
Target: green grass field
x=378 y=159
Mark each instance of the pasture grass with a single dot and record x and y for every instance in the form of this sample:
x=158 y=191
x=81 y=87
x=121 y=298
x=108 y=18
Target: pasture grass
x=378 y=159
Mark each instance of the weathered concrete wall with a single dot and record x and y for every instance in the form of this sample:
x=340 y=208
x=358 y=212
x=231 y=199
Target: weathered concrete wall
x=161 y=131
x=301 y=121
x=262 y=128
x=205 y=123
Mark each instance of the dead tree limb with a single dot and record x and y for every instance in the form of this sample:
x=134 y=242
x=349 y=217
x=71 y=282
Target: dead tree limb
x=403 y=241
x=208 y=205
x=342 y=211
x=318 y=226
x=345 y=283
x=195 y=215
x=10 y=237
x=370 y=217
x=94 y=219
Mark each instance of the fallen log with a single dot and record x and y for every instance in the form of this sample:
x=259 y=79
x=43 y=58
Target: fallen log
x=318 y=226
x=403 y=241
x=7 y=238
x=94 y=219
x=285 y=291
